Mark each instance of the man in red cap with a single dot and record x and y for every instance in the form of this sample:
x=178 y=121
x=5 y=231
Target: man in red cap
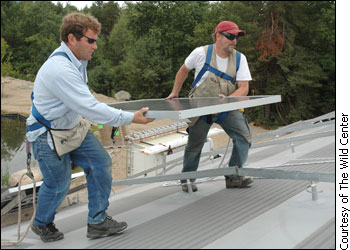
x=222 y=71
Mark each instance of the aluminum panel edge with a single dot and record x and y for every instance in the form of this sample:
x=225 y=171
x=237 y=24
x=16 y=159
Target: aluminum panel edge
x=229 y=106
x=179 y=114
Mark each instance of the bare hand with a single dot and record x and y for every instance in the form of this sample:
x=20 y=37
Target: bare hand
x=222 y=96
x=172 y=95
x=139 y=117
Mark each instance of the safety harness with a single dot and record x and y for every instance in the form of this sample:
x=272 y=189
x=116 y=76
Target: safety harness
x=219 y=73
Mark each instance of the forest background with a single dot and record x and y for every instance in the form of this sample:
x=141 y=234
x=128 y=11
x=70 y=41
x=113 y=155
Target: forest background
x=289 y=45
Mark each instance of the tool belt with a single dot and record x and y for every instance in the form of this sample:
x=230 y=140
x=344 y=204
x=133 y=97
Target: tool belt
x=68 y=140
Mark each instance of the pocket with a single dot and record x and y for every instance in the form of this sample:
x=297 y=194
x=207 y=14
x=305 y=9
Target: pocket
x=34 y=146
x=226 y=87
x=247 y=124
x=41 y=148
x=209 y=88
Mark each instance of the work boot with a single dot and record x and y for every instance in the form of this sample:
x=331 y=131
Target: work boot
x=185 y=187
x=194 y=187
x=47 y=233
x=237 y=181
x=106 y=228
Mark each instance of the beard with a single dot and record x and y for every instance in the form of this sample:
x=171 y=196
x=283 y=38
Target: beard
x=229 y=49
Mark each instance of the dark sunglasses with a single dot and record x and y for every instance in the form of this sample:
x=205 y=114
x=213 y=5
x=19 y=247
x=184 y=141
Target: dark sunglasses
x=230 y=36
x=90 y=40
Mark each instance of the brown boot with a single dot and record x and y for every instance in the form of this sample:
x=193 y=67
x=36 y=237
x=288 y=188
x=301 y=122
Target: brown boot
x=185 y=187
x=237 y=181
x=194 y=187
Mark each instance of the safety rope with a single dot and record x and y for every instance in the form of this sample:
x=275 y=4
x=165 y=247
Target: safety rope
x=223 y=158
x=29 y=173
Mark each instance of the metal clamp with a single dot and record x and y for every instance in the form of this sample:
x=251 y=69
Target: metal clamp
x=313 y=191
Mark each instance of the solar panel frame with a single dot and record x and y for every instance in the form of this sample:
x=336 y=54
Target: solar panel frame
x=182 y=108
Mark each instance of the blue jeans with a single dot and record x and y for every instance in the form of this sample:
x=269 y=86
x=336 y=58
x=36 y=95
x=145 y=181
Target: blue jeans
x=92 y=158
x=236 y=127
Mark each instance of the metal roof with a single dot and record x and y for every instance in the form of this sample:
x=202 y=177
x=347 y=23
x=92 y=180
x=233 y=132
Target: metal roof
x=272 y=213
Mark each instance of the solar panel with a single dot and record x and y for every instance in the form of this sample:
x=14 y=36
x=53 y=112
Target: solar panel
x=182 y=108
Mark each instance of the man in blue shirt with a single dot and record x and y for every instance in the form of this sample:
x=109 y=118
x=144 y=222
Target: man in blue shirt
x=61 y=98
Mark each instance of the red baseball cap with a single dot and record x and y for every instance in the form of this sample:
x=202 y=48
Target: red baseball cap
x=229 y=27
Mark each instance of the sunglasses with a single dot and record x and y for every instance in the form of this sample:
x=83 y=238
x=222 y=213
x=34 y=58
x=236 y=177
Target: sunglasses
x=230 y=36
x=91 y=40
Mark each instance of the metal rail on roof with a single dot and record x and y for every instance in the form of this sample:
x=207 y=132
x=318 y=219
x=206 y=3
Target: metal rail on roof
x=253 y=172
x=293 y=139
x=295 y=128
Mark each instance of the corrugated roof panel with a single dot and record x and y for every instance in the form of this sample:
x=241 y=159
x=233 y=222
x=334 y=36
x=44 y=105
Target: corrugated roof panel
x=327 y=151
x=203 y=221
x=323 y=238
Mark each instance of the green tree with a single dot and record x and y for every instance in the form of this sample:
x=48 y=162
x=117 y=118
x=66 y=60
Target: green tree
x=107 y=14
x=158 y=29
x=145 y=72
x=120 y=40
x=101 y=78
x=289 y=61
x=32 y=32
x=6 y=67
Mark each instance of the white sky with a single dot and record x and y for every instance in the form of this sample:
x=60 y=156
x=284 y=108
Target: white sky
x=81 y=4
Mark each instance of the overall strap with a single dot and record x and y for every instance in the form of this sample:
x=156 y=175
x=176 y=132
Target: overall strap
x=205 y=66
x=41 y=120
x=238 y=60
x=61 y=53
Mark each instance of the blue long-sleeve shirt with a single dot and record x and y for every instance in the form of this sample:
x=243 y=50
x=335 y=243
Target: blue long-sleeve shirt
x=61 y=95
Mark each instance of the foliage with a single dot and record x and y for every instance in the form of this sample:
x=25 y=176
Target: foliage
x=101 y=78
x=6 y=67
x=120 y=40
x=151 y=73
x=107 y=14
x=290 y=47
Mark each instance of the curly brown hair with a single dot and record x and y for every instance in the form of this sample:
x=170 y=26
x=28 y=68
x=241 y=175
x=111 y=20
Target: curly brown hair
x=78 y=24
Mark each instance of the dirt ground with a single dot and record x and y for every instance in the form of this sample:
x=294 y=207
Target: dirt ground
x=15 y=99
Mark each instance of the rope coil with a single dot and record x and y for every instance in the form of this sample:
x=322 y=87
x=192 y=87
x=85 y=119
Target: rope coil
x=29 y=173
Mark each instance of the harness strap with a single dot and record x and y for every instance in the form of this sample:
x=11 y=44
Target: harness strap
x=42 y=122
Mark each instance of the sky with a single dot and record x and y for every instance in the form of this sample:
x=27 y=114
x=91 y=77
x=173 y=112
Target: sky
x=79 y=4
